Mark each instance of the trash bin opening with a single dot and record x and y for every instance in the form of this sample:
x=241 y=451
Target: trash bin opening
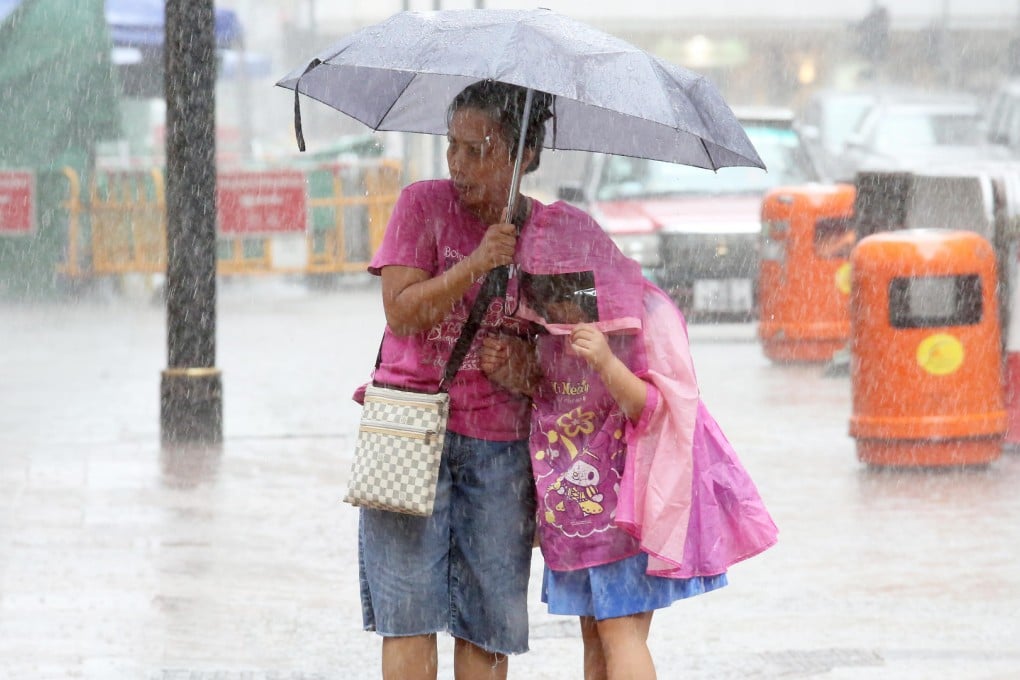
x=932 y=301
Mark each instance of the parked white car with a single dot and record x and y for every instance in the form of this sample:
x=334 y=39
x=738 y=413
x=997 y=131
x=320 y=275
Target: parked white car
x=909 y=132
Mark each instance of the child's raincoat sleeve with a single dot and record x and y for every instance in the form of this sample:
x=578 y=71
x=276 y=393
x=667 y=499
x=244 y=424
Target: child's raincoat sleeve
x=684 y=493
x=656 y=488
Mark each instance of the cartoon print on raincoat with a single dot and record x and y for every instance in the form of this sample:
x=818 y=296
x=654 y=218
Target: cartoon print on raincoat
x=668 y=484
x=578 y=448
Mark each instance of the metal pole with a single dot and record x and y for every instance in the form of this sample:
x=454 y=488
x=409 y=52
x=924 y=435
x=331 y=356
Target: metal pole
x=191 y=394
x=438 y=160
x=406 y=141
x=515 y=180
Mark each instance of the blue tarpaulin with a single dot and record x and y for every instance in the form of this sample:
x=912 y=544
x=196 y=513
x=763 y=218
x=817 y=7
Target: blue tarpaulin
x=139 y=23
x=137 y=31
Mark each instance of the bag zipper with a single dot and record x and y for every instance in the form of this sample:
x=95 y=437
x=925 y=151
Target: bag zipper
x=399 y=430
x=424 y=400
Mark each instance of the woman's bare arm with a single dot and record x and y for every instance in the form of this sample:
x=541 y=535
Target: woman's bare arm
x=413 y=301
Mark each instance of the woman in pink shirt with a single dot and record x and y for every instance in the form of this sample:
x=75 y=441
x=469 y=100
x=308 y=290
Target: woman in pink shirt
x=465 y=568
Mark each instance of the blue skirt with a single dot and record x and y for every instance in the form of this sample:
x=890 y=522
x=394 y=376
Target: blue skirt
x=619 y=588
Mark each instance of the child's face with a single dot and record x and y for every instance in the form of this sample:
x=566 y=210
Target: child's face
x=564 y=311
x=562 y=298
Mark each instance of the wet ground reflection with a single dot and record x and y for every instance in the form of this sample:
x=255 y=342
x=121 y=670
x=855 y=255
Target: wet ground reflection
x=185 y=466
x=122 y=559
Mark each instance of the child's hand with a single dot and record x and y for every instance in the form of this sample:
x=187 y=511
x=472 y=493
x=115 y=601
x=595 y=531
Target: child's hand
x=629 y=391
x=508 y=361
x=590 y=343
x=493 y=352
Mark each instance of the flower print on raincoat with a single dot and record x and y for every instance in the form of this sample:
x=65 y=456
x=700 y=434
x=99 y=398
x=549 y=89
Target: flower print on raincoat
x=680 y=493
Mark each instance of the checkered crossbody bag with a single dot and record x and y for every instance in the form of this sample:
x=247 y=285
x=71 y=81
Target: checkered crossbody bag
x=402 y=433
x=400 y=442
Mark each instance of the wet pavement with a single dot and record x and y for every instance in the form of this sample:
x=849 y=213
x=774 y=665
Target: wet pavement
x=122 y=560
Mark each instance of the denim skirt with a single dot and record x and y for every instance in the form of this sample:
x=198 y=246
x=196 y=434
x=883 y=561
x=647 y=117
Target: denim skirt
x=465 y=568
x=619 y=588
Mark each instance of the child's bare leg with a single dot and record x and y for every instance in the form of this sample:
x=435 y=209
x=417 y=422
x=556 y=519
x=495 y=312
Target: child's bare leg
x=594 y=657
x=471 y=662
x=625 y=645
x=410 y=658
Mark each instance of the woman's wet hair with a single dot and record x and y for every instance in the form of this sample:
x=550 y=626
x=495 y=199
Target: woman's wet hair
x=505 y=103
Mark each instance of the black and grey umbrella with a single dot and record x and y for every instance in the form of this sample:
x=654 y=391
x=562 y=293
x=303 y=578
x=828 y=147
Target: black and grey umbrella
x=609 y=96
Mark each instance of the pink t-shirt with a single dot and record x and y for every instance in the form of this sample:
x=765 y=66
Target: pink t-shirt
x=430 y=230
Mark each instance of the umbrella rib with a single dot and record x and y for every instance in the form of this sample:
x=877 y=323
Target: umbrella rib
x=700 y=83
x=708 y=153
x=394 y=102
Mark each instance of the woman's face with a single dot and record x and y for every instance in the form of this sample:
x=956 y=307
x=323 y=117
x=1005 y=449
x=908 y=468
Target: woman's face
x=480 y=162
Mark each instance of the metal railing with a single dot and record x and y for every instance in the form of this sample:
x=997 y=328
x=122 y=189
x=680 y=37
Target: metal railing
x=122 y=227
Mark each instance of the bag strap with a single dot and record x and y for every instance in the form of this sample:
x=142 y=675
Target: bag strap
x=494 y=286
x=470 y=327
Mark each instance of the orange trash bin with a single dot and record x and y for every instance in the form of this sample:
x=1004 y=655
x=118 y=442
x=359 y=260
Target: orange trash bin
x=804 y=275
x=925 y=349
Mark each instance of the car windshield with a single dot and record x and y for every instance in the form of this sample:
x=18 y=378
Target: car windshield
x=841 y=119
x=624 y=177
x=905 y=130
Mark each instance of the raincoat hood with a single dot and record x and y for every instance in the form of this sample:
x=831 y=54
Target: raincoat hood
x=565 y=244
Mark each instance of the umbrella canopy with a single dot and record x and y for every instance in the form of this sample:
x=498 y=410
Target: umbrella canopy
x=610 y=96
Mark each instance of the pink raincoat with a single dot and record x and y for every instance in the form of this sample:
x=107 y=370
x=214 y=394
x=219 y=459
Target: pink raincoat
x=683 y=495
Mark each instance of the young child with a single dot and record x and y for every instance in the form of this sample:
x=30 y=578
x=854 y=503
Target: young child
x=619 y=444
